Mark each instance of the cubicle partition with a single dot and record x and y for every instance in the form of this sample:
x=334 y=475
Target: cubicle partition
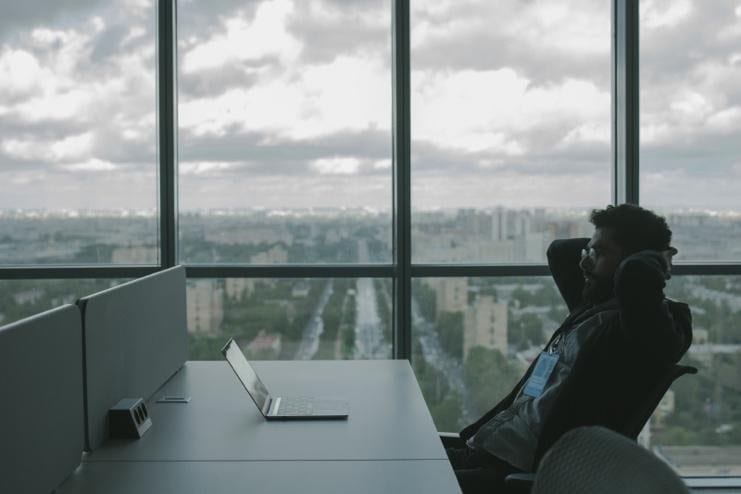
x=135 y=338
x=41 y=415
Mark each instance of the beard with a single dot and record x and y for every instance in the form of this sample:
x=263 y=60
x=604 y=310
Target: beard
x=597 y=290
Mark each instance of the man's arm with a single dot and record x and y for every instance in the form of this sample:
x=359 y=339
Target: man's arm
x=563 y=260
x=646 y=317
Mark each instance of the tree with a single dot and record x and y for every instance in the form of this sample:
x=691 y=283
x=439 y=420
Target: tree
x=526 y=331
x=450 y=331
x=489 y=376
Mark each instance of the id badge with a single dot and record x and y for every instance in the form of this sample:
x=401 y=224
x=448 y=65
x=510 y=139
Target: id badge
x=539 y=377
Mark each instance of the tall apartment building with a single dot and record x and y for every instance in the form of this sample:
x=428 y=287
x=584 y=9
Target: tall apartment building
x=485 y=325
x=205 y=306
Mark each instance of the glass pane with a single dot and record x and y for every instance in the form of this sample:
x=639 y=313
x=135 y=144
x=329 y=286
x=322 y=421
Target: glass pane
x=697 y=426
x=473 y=338
x=285 y=131
x=510 y=125
x=24 y=298
x=690 y=76
x=78 y=138
x=291 y=319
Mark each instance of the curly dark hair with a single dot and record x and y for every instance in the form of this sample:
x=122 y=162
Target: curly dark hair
x=635 y=228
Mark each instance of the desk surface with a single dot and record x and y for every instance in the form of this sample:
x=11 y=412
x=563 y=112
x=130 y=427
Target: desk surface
x=388 y=416
x=306 y=477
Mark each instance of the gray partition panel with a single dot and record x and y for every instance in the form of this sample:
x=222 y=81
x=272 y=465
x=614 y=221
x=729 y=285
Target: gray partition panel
x=388 y=417
x=136 y=337
x=41 y=414
x=264 y=477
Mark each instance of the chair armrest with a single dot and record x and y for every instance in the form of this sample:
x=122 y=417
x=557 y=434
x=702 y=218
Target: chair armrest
x=452 y=440
x=519 y=483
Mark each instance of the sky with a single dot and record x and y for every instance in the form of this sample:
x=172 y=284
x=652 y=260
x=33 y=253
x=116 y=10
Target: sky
x=287 y=103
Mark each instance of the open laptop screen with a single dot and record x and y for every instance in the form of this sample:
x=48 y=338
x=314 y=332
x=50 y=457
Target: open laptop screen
x=245 y=373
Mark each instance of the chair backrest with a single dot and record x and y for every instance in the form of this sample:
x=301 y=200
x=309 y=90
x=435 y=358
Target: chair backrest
x=41 y=414
x=135 y=338
x=635 y=421
x=596 y=459
x=631 y=424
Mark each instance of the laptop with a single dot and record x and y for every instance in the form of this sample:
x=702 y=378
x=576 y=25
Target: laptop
x=280 y=407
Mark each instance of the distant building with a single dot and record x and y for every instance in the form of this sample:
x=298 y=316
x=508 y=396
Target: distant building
x=277 y=254
x=300 y=289
x=531 y=246
x=238 y=288
x=451 y=294
x=29 y=296
x=702 y=460
x=139 y=254
x=252 y=235
x=265 y=342
x=665 y=407
x=700 y=336
x=205 y=306
x=485 y=325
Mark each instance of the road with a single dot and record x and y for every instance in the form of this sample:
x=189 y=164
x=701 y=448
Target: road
x=369 y=339
x=314 y=328
x=439 y=359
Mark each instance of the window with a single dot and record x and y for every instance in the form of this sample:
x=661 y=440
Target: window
x=696 y=426
x=473 y=338
x=690 y=118
x=293 y=319
x=24 y=298
x=78 y=148
x=510 y=126
x=690 y=66
x=285 y=132
x=293 y=206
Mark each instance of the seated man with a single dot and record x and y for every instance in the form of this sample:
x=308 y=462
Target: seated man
x=620 y=336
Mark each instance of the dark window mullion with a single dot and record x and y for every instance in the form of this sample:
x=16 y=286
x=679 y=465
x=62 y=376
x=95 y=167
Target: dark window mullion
x=625 y=101
x=167 y=128
x=402 y=180
x=75 y=272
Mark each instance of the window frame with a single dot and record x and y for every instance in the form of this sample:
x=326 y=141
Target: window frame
x=625 y=179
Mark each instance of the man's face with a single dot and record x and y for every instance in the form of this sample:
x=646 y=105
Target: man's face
x=603 y=256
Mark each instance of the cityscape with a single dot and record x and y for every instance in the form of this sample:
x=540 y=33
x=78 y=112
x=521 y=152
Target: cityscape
x=472 y=337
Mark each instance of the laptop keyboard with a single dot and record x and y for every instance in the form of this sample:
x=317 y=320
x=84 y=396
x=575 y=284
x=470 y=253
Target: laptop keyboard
x=296 y=406
x=300 y=406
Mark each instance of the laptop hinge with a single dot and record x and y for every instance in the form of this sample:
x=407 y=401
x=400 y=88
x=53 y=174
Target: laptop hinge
x=266 y=406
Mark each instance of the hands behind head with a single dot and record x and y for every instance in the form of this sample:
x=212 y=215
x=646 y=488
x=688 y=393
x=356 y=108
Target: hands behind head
x=667 y=256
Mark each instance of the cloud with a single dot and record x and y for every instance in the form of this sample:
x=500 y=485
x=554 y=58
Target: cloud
x=19 y=16
x=347 y=94
x=288 y=102
x=210 y=168
x=245 y=40
x=92 y=165
x=360 y=28
x=664 y=13
x=63 y=150
x=336 y=166
x=542 y=41
x=19 y=73
x=503 y=113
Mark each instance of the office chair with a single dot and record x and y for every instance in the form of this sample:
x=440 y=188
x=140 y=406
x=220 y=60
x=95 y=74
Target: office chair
x=523 y=482
x=596 y=459
x=520 y=483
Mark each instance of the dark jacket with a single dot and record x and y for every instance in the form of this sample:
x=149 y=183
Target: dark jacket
x=620 y=362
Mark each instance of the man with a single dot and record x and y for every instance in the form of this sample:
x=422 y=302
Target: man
x=620 y=336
